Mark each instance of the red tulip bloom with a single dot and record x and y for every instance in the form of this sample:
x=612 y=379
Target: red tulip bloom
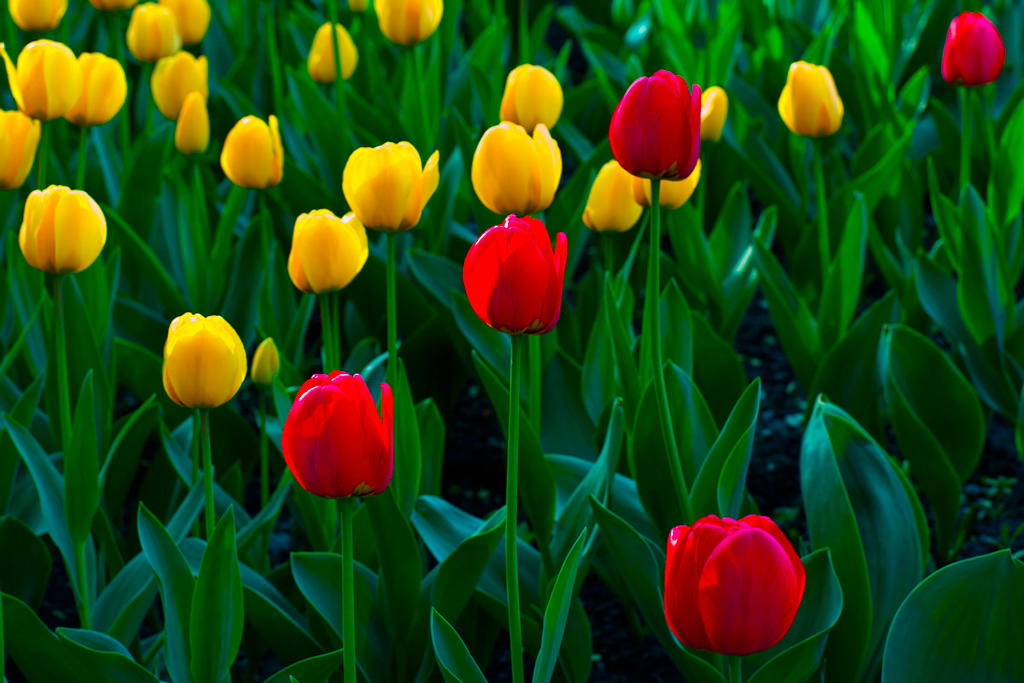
x=731 y=587
x=513 y=277
x=974 y=52
x=335 y=442
x=655 y=129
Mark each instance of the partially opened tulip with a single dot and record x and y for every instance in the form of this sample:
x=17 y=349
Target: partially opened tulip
x=192 y=132
x=19 y=138
x=253 y=156
x=674 y=193
x=532 y=95
x=513 y=172
x=611 y=205
x=37 y=16
x=174 y=78
x=104 y=90
x=63 y=230
x=320 y=63
x=810 y=105
x=113 y=5
x=153 y=32
x=327 y=251
x=407 y=22
x=193 y=17
x=266 y=363
x=714 y=107
x=47 y=81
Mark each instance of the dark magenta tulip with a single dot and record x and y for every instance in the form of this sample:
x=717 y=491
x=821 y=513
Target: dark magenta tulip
x=974 y=52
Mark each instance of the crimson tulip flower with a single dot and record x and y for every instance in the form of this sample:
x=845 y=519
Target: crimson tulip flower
x=655 y=129
x=731 y=587
x=335 y=442
x=974 y=52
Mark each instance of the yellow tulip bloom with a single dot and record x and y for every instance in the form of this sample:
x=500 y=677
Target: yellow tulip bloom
x=321 y=55
x=193 y=18
x=63 y=230
x=47 y=80
x=265 y=363
x=153 y=32
x=515 y=173
x=113 y=5
x=407 y=22
x=104 y=90
x=674 y=193
x=532 y=95
x=174 y=78
x=611 y=205
x=327 y=251
x=192 y=134
x=714 y=107
x=810 y=105
x=253 y=156
x=204 y=361
x=387 y=188
x=37 y=15
x=19 y=138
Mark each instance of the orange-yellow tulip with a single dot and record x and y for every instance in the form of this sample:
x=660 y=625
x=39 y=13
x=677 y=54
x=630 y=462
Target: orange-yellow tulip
x=407 y=22
x=532 y=95
x=204 y=361
x=265 y=363
x=674 y=193
x=37 y=16
x=321 y=55
x=174 y=78
x=104 y=90
x=513 y=172
x=253 y=156
x=19 y=138
x=327 y=251
x=47 y=80
x=387 y=187
x=611 y=205
x=192 y=134
x=714 y=107
x=810 y=105
x=193 y=18
x=63 y=230
x=153 y=32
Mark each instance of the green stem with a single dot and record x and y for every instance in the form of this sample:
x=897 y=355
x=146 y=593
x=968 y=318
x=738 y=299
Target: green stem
x=392 y=372
x=60 y=346
x=824 y=241
x=417 y=54
x=348 y=591
x=114 y=38
x=11 y=38
x=200 y=244
x=327 y=336
x=536 y=360
x=44 y=153
x=702 y=192
x=525 y=55
x=339 y=80
x=83 y=586
x=735 y=668
x=609 y=255
x=274 y=60
x=83 y=145
x=966 y=133
x=208 y=475
x=511 y=513
x=197 y=440
x=264 y=475
x=266 y=225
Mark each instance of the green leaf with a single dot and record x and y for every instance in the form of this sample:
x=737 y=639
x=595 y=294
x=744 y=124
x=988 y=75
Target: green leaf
x=843 y=281
x=317 y=668
x=983 y=294
x=103 y=657
x=25 y=562
x=399 y=570
x=453 y=657
x=405 y=484
x=557 y=612
x=493 y=346
x=1006 y=179
x=459 y=573
x=81 y=467
x=36 y=650
x=216 y=620
x=625 y=364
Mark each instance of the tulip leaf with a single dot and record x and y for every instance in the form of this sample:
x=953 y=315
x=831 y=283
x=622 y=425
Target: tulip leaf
x=494 y=347
x=625 y=364
x=81 y=467
x=1006 y=179
x=216 y=621
x=453 y=657
x=719 y=374
x=240 y=305
x=401 y=577
x=459 y=573
x=138 y=252
x=557 y=612
x=405 y=482
x=103 y=657
x=982 y=291
x=697 y=266
x=598 y=377
x=25 y=562
x=843 y=280
x=316 y=668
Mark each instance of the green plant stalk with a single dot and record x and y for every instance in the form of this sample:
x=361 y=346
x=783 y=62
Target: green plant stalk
x=336 y=326
x=339 y=81
x=264 y=481
x=609 y=256
x=197 y=440
x=702 y=192
x=60 y=347
x=208 y=475
x=200 y=298
x=392 y=370
x=114 y=37
x=274 y=60
x=327 y=336
x=44 y=152
x=511 y=514
x=735 y=669
x=525 y=54
x=83 y=145
x=84 y=607
x=266 y=225
x=535 y=361
x=348 y=590
x=3 y=655
x=824 y=242
x=421 y=86
x=966 y=133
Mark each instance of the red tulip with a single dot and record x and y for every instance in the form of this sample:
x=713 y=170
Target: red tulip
x=514 y=279
x=335 y=442
x=731 y=587
x=974 y=52
x=655 y=129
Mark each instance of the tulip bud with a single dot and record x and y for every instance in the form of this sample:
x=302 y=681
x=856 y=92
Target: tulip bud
x=514 y=173
x=153 y=33
x=532 y=95
x=174 y=78
x=357 y=5
x=407 y=22
x=810 y=105
x=674 y=193
x=513 y=277
x=104 y=90
x=37 y=16
x=731 y=587
x=192 y=134
x=63 y=230
x=113 y=5
x=327 y=251
x=974 y=52
x=714 y=106
x=253 y=156
x=387 y=188
x=19 y=138
x=610 y=204
x=335 y=442
x=193 y=18
x=204 y=361
x=47 y=80
x=321 y=56
x=265 y=363
x=655 y=129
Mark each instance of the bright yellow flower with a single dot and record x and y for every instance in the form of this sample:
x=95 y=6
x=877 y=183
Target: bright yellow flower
x=611 y=205
x=265 y=363
x=37 y=16
x=674 y=193
x=204 y=361
x=386 y=186
x=193 y=18
x=63 y=230
x=532 y=95
x=714 y=107
x=408 y=22
x=253 y=156
x=113 y=5
x=809 y=104
x=327 y=251
x=19 y=137
x=104 y=90
x=515 y=173
x=321 y=55
x=192 y=134
x=47 y=80
x=153 y=32
x=174 y=78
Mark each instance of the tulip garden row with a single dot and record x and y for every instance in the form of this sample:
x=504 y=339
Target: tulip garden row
x=433 y=372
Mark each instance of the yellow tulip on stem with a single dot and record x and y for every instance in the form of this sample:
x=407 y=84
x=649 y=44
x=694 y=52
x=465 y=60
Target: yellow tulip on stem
x=208 y=475
x=197 y=440
x=44 y=153
x=824 y=245
x=339 y=80
x=392 y=369
x=83 y=141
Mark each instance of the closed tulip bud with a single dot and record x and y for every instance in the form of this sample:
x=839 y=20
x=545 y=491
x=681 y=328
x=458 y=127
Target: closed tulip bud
x=63 y=230
x=514 y=278
x=386 y=186
x=974 y=51
x=192 y=134
x=731 y=587
x=113 y=5
x=104 y=90
x=513 y=172
x=321 y=56
x=204 y=361
x=193 y=18
x=253 y=156
x=655 y=129
x=407 y=22
x=19 y=138
x=174 y=78
x=357 y=5
x=674 y=193
x=335 y=442
x=37 y=16
x=153 y=33
x=47 y=80
x=327 y=251
x=265 y=363
x=810 y=105
x=714 y=107
x=532 y=95
x=611 y=205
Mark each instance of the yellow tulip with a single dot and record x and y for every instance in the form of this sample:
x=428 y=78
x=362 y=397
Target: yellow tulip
x=611 y=205
x=37 y=15
x=357 y=5
x=153 y=32
x=113 y=5
x=714 y=107
x=47 y=80
x=192 y=134
x=63 y=230
x=407 y=22
x=253 y=156
x=265 y=363
x=327 y=251
x=515 y=173
x=321 y=56
x=104 y=90
x=174 y=78
x=810 y=105
x=19 y=137
x=193 y=18
x=532 y=95
x=204 y=361
x=387 y=188
x=674 y=193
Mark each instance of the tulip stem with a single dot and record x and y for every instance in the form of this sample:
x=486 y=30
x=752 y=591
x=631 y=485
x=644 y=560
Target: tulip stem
x=274 y=59
x=511 y=513
x=114 y=38
x=44 y=152
x=966 y=133
x=264 y=475
x=339 y=80
x=197 y=440
x=62 y=367
x=84 y=618
x=609 y=256
x=83 y=143
x=824 y=242
x=735 y=668
x=417 y=58
x=348 y=591
x=702 y=194
x=536 y=360
x=525 y=55
x=327 y=333
x=208 y=474
x=392 y=371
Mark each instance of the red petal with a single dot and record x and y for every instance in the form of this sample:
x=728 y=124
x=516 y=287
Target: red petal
x=681 y=606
